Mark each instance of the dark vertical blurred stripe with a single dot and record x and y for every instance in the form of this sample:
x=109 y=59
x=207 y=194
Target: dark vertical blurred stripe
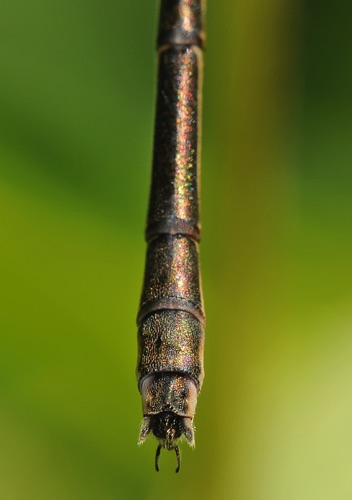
x=253 y=56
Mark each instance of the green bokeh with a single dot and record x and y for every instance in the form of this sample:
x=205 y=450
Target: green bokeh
x=76 y=123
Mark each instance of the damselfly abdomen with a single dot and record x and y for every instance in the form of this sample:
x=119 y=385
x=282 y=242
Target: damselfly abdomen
x=171 y=316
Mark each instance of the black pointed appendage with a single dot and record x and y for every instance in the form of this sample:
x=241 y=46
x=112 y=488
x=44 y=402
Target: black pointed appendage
x=178 y=458
x=157 y=455
x=177 y=451
x=168 y=428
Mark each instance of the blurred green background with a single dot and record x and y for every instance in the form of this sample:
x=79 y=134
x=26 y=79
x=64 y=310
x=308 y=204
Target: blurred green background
x=77 y=92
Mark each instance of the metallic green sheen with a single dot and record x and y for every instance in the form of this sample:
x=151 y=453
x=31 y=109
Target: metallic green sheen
x=171 y=341
x=172 y=272
x=174 y=189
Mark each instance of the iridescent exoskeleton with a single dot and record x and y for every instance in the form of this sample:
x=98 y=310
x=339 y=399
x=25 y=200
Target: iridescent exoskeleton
x=171 y=315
